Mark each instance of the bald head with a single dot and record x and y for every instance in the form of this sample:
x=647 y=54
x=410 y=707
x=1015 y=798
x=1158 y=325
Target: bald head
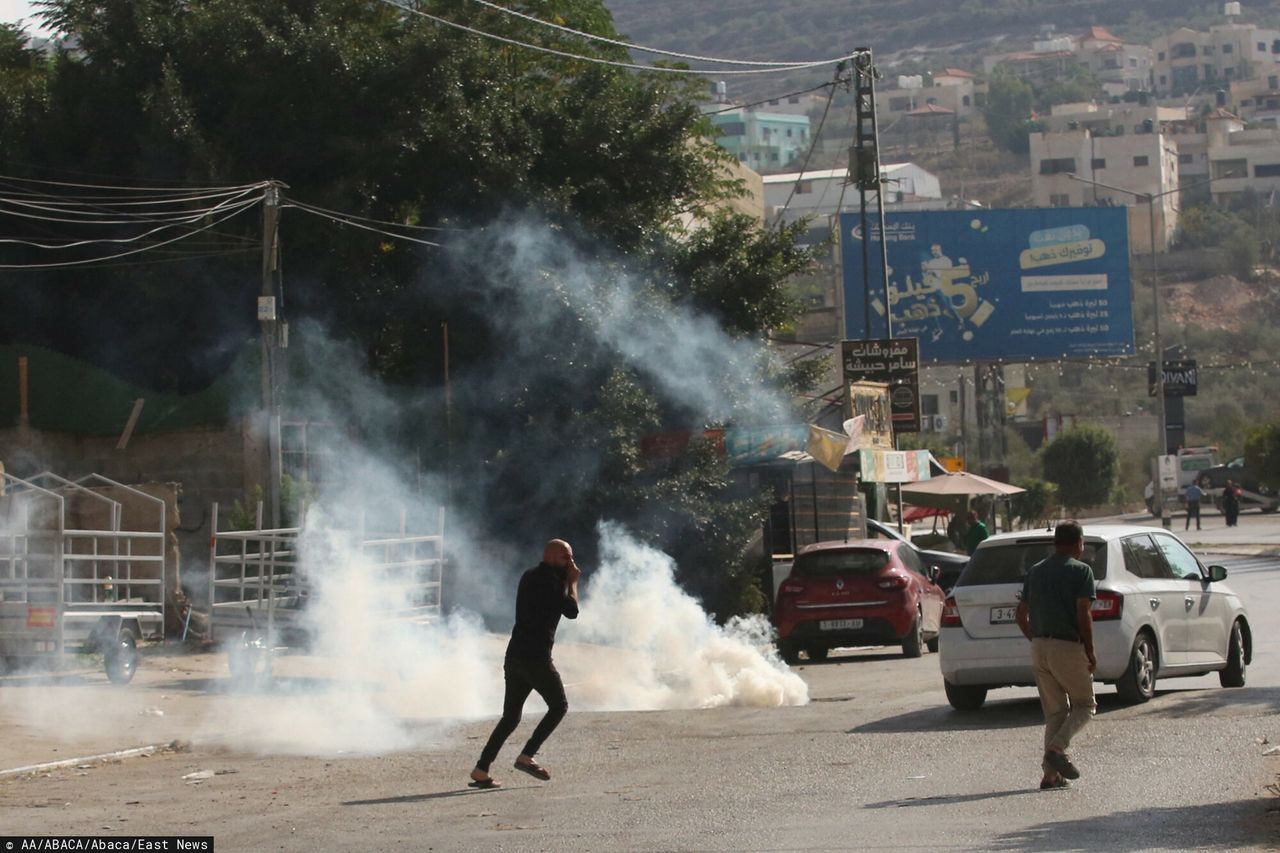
x=558 y=553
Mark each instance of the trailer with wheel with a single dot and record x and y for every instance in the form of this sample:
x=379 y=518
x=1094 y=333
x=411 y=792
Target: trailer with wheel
x=73 y=578
x=263 y=582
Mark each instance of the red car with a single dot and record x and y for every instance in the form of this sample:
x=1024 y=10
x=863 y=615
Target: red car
x=868 y=592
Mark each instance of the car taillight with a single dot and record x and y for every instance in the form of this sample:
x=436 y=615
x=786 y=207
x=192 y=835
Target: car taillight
x=950 y=614
x=1108 y=605
x=893 y=582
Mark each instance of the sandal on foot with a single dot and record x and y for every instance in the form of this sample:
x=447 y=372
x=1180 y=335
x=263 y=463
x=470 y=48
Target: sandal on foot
x=534 y=769
x=484 y=783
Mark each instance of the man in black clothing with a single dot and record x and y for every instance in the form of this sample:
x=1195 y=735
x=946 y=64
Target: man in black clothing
x=547 y=592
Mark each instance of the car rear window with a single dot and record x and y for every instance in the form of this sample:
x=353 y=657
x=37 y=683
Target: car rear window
x=1008 y=563
x=846 y=562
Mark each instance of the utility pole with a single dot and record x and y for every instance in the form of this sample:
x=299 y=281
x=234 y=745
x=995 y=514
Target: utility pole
x=268 y=317
x=864 y=167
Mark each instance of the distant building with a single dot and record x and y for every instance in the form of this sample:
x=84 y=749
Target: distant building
x=1187 y=60
x=821 y=193
x=1118 y=66
x=762 y=141
x=1241 y=160
x=950 y=89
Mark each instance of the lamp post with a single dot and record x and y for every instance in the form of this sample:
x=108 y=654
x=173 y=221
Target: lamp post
x=1149 y=198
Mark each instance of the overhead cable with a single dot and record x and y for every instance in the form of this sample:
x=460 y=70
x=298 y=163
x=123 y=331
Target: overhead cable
x=813 y=145
x=644 y=49
x=598 y=60
x=187 y=220
x=89 y=261
x=344 y=220
x=769 y=100
x=315 y=208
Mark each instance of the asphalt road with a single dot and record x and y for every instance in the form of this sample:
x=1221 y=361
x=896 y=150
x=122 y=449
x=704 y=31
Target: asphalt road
x=876 y=760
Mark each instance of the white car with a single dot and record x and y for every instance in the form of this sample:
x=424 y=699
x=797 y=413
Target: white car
x=1160 y=613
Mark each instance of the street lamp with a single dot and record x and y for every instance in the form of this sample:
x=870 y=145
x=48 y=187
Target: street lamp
x=1149 y=199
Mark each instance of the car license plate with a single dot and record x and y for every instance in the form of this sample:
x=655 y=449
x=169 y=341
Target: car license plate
x=840 y=624
x=1003 y=615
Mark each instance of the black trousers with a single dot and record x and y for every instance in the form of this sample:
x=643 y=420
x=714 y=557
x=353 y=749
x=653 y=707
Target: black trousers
x=523 y=677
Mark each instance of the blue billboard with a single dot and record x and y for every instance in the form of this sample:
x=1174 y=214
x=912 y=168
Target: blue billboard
x=987 y=285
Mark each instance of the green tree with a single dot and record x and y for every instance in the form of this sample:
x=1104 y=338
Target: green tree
x=1084 y=463
x=1008 y=111
x=362 y=107
x=1262 y=451
x=1033 y=505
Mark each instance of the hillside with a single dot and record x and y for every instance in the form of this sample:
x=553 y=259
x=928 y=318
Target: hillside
x=903 y=29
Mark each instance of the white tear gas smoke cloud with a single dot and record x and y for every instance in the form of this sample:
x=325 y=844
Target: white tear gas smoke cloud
x=372 y=684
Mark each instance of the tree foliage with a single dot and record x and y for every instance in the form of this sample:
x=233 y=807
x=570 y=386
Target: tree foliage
x=360 y=107
x=1084 y=463
x=1262 y=451
x=1008 y=112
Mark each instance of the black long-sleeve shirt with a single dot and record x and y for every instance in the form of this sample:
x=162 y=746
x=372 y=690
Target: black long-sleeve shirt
x=541 y=600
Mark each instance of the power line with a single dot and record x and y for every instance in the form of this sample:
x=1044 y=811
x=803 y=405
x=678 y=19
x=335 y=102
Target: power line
x=153 y=247
x=642 y=48
x=813 y=146
x=343 y=220
x=595 y=59
x=315 y=208
x=180 y=189
x=187 y=220
x=768 y=100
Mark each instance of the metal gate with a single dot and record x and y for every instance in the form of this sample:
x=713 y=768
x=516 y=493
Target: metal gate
x=71 y=579
x=259 y=587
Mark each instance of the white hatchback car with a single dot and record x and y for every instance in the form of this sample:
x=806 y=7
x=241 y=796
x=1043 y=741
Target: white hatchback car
x=1160 y=612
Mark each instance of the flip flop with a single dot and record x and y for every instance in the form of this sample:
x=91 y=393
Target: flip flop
x=534 y=769
x=1049 y=786
x=484 y=783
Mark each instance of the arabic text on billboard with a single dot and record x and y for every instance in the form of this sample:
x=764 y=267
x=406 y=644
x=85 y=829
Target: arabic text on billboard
x=994 y=284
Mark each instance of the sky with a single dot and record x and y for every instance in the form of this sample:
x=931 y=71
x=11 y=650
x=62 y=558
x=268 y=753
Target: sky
x=12 y=10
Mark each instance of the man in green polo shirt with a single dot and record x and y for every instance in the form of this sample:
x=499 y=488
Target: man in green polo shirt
x=1055 y=615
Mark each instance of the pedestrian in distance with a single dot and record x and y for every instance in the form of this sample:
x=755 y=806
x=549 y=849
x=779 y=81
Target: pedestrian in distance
x=975 y=534
x=956 y=530
x=1194 y=494
x=1055 y=616
x=1231 y=504
x=547 y=591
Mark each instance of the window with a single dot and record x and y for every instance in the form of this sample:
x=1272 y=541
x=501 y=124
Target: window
x=1262 y=47
x=1273 y=103
x=966 y=101
x=1183 y=563
x=928 y=404
x=1273 y=82
x=773 y=102
x=1230 y=168
x=1184 y=50
x=1207 y=50
x=733 y=128
x=1008 y=563
x=1111 y=62
x=1267 y=170
x=851 y=561
x=1098 y=163
x=804 y=187
x=911 y=559
x=954 y=396
x=1227 y=48
x=1142 y=559
x=788 y=133
x=1059 y=200
x=1275 y=46
x=1057 y=166
x=1186 y=159
x=1141 y=160
x=899 y=104
x=1160 y=55
x=773 y=155
x=1163 y=80
x=794 y=99
x=1133 y=62
x=742 y=158
x=1209 y=72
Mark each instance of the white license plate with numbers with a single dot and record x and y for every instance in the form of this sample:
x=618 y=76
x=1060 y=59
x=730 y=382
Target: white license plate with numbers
x=1003 y=615
x=840 y=624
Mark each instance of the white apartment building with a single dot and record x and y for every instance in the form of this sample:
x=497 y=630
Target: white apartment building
x=1242 y=160
x=1141 y=163
x=951 y=89
x=1187 y=61
x=1258 y=99
x=819 y=193
x=1120 y=67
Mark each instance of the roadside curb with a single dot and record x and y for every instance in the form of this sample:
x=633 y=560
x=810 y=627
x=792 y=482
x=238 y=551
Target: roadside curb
x=88 y=759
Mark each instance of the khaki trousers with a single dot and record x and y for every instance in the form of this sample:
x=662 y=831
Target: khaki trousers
x=1066 y=689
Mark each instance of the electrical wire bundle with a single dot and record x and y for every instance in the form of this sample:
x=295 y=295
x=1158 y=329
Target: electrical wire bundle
x=47 y=225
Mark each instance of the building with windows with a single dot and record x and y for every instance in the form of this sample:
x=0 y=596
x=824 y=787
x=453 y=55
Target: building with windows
x=1118 y=66
x=762 y=141
x=950 y=89
x=1242 y=159
x=1143 y=163
x=1187 y=61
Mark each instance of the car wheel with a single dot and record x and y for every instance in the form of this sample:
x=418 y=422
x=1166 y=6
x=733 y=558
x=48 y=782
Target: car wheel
x=790 y=653
x=933 y=644
x=122 y=659
x=1138 y=684
x=817 y=652
x=965 y=698
x=1233 y=675
x=913 y=643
